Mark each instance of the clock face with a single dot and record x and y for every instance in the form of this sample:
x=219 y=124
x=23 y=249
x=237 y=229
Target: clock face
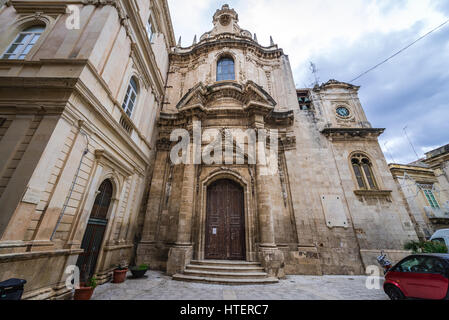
x=343 y=112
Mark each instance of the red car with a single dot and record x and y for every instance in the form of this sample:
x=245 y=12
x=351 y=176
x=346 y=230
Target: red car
x=419 y=276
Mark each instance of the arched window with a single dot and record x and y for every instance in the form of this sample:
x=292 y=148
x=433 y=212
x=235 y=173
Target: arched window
x=130 y=97
x=102 y=201
x=225 y=69
x=363 y=171
x=23 y=43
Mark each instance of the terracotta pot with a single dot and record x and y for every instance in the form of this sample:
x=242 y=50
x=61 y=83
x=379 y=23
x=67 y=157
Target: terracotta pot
x=83 y=293
x=119 y=276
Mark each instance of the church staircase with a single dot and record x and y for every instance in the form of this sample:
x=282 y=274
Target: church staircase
x=225 y=272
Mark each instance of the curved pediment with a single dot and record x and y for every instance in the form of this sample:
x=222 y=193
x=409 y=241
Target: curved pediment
x=227 y=95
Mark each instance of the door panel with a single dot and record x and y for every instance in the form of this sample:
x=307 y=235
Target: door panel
x=430 y=281
x=96 y=227
x=225 y=224
x=421 y=277
x=91 y=244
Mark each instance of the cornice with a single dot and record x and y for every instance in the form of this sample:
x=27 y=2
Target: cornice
x=436 y=161
x=64 y=83
x=288 y=143
x=73 y=116
x=85 y=92
x=335 y=84
x=129 y=19
x=281 y=117
x=352 y=133
x=162 y=16
x=228 y=40
x=117 y=104
x=396 y=169
x=140 y=57
x=29 y=7
x=104 y=156
x=439 y=221
x=247 y=99
x=169 y=25
x=228 y=89
x=39 y=83
x=373 y=193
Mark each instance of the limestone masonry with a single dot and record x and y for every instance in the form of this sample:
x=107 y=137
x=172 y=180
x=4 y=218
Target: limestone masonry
x=86 y=117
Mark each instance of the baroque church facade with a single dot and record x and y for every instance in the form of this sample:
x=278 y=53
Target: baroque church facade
x=87 y=178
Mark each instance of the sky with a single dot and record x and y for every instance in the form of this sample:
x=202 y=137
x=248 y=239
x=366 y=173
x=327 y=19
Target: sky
x=347 y=37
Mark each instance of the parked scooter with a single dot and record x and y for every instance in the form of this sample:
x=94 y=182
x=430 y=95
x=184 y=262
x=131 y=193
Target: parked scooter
x=384 y=262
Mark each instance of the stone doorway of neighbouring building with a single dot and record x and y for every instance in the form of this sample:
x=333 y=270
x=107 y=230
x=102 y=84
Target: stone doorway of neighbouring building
x=225 y=221
x=96 y=228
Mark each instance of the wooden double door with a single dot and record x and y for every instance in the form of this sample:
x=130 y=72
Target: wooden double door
x=225 y=221
x=96 y=228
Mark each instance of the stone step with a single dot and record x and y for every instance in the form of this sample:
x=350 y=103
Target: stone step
x=225 y=281
x=225 y=272
x=215 y=268
x=227 y=275
x=225 y=263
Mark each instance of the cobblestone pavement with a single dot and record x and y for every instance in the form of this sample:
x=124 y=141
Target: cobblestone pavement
x=158 y=286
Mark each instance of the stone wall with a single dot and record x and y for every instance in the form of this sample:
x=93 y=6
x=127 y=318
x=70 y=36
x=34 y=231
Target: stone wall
x=315 y=181
x=64 y=132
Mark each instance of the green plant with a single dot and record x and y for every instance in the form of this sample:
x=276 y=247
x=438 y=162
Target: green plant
x=426 y=247
x=121 y=268
x=93 y=282
x=143 y=267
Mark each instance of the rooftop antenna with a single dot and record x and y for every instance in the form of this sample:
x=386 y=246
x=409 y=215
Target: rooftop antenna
x=388 y=151
x=410 y=141
x=314 y=70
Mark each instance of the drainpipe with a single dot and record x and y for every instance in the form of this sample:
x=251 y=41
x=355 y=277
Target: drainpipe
x=61 y=215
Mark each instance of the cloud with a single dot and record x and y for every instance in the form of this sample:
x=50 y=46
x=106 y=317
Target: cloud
x=345 y=38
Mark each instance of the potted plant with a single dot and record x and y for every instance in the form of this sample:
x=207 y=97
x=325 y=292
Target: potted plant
x=119 y=274
x=139 y=271
x=86 y=290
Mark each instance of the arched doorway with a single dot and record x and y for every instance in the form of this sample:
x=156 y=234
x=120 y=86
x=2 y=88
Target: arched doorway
x=95 y=230
x=225 y=221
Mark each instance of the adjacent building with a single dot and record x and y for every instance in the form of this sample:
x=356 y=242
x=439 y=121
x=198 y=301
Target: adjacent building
x=424 y=185
x=81 y=87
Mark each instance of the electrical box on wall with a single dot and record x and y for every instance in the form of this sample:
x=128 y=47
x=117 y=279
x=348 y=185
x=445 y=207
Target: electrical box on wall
x=334 y=211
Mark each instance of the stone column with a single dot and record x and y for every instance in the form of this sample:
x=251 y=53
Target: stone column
x=181 y=254
x=264 y=208
x=131 y=230
x=271 y=257
x=154 y=201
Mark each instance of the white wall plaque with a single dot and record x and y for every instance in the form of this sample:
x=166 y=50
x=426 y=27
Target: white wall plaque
x=334 y=211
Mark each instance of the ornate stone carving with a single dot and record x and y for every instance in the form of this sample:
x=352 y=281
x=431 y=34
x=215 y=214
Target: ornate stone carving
x=163 y=144
x=352 y=133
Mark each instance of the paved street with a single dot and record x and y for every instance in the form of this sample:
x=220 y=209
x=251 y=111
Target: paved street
x=158 y=286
